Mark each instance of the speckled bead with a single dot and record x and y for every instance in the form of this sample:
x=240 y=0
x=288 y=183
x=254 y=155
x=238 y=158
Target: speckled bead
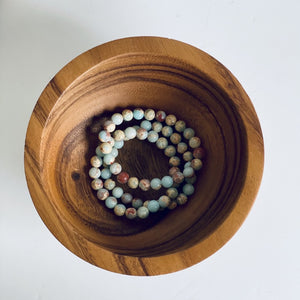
x=138 y=114
x=175 y=138
x=167 y=181
x=144 y=184
x=181 y=199
x=173 y=170
x=178 y=177
x=164 y=201
x=130 y=133
x=199 y=153
x=182 y=147
x=94 y=172
x=194 y=142
x=149 y=114
x=117 y=118
x=145 y=204
x=105 y=148
x=111 y=202
x=187 y=156
x=172 y=193
x=170 y=151
x=174 y=161
x=119 y=135
x=102 y=194
x=109 y=126
x=109 y=184
x=180 y=126
x=188 y=133
x=167 y=131
x=196 y=164
x=119 y=144
x=126 y=198
x=123 y=177
x=191 y=180
x=187 y=164
x=105 y=173
x=137 y=202
x=172 y=205
x=114 y=152
x=96 y=161
x=115 y=168
x=141 y=134
x=127 y=115
x=152 y=136
x=146 y=125
x=188 y=172
x=160 y=116
x=162 y=143
x=99 y=152
x=133 y=182
x=143 y=212
x=117 y=192
x=130 y=213
x=97 y=184
x=188 y=189
x=111 y=141
x=170 y=120
x=156 y=126
x=155 y=184
x=104 y=136
x=153 y=206
x=119 y=210
x=108 y=159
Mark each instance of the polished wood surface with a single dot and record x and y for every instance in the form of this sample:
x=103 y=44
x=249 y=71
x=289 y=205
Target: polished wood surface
x=161 y=74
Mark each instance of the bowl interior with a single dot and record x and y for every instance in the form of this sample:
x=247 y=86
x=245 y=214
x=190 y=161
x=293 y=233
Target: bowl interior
x=163 y=83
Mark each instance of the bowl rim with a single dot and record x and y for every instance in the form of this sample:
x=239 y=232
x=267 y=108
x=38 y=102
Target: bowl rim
x=146 y=265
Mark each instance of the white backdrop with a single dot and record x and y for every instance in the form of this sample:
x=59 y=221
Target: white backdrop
x=259 y=41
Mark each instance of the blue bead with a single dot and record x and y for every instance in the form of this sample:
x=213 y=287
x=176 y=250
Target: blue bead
x=117 y=192
x=143 y=212
x=105 y=174
x=130 y=133
x=155 y=183
x=111 y=202
x=146 y=125
x=138 y=114
x=152 y=136
x=167 y=181
x=99 y=152
x=153 y=206
x=119 y=144
x=104 y=136
x=108 y=159
x=114 y=152
x=188 y=172
x=188 y=189
x=117 y=118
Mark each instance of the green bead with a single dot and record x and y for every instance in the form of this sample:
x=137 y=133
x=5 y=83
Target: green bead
x=188 y=133
x=136 y=203
x=188 y=189
x=188 y=172
x=155 y=184
x=153 y=206
x=143 y=212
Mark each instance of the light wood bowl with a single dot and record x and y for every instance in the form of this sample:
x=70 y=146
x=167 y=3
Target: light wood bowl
x=143 y=72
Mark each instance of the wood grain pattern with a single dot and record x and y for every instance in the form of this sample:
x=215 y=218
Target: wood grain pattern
x=144 y=72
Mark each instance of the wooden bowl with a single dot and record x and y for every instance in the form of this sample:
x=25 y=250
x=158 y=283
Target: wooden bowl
x=143 y=72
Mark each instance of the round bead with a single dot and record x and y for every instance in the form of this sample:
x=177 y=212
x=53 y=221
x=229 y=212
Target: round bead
x=160 y=116
x=123 y=177
x=104 y=136
x=173 y=170
x=149 y=114
x=188 y=133
x=105 y=173
x=178 y=177
x=171 y=120
x=96 y=161
x=172 y=205
x=141 y=134
x=164 y=201
x=117 y=118
x=167 y=131
x=130 y=133
x=119 y=210
x=111 y=202
x=181 y=147
x=187 y=164
x=152 y=136
x=145 y=204
x=133 y=182
x=105 y=148
x=167 y=181
x=156 y=126
x=188 y=189
x=146 y=125
x=114 y=152
x=97 y=184
x=180 y=126
x=196 y=164
x=153 y=206
x=108 y=159
x=194 y=142
x=127 y=115
x=109 y=126
x=188 y=172
x=172 y=193
x=130 y=213
x=174 y=161
x=161 y=143
x=199 y=153
x=111 y=141
x=98 y=152
x=136 y=203
x=175 y=138
x=143 y=212
x=115 y=168
x=170 y=151
x=94 y=172
x=144 y=184
x=126 y=198
x=138 y=114
x=119 y=135
x=119 y=144
x=155 y=184
x=109 y=184
x=102 y=194
x=191 y=180
x=117 y=192
x=187 y=156
x=181 y=199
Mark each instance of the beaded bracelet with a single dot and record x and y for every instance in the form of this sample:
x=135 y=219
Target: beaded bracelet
x=163 y=129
